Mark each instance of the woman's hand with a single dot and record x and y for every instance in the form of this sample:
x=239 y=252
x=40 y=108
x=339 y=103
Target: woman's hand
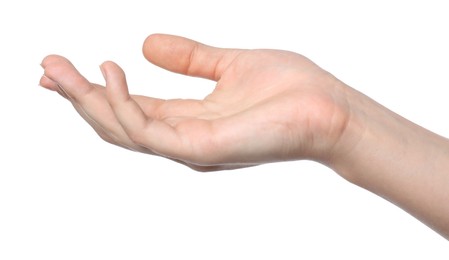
x=267 y=106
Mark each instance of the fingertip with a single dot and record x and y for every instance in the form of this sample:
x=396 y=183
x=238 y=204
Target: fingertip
x=56 y=66
x=47 y=83
x=103 y=71
x=116 y=86
x=150 y=42
x=110 y=68
x=63 y=77
x=164 y=49
x=52 y=58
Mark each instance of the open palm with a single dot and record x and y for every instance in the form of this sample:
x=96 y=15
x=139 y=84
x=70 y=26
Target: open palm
x=267 y=105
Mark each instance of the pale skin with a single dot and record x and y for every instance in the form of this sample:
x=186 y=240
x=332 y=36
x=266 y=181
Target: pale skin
x=267 y=106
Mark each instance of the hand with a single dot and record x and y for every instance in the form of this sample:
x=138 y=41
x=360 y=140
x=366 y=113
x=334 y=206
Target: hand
x=267 y=106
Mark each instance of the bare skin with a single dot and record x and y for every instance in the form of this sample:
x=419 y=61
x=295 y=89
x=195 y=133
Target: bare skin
x=267 y=106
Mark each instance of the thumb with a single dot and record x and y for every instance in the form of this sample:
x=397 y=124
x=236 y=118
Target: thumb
x=188 y=57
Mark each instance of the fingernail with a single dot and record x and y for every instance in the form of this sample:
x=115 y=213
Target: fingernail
x=103 y=71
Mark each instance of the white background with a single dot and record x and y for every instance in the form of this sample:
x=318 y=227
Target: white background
x=65 y=194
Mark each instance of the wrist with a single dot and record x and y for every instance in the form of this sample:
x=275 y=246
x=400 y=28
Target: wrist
x=379 y=146
x=369 y=128
x=396 y=159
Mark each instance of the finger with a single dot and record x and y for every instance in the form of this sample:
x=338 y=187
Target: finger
x=51 y=85
x=88 y=99
x=188 y=57
x=145 y=131
x=128 y=112
x=61 y=71
x=48 y=83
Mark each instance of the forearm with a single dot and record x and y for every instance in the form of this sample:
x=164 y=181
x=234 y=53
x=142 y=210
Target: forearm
x=396 y=159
